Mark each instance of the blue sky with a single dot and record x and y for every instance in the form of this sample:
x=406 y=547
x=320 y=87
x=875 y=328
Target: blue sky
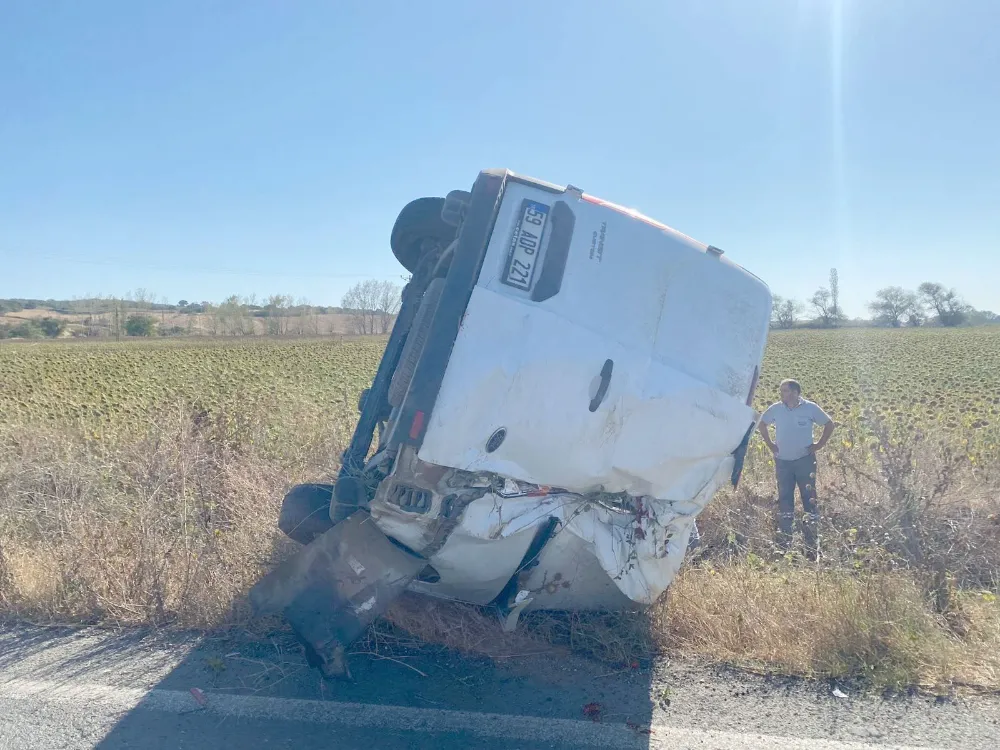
x=199 y=149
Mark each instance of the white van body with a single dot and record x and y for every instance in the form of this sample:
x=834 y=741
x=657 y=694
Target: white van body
x=566 y=386
x=685 y=331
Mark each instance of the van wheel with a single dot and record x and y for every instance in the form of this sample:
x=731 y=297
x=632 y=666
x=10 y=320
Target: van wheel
x=455 y=206
x=419 y=222
x=414 y=345
x=305 y=512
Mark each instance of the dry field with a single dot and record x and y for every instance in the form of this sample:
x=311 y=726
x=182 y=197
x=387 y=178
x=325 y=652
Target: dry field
x=192 y=324
x=140 y=482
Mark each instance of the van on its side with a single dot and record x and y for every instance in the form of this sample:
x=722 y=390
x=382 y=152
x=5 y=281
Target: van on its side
x=566 y=386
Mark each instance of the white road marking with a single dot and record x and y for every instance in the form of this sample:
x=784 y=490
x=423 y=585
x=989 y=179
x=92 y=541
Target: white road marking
x=564 y=732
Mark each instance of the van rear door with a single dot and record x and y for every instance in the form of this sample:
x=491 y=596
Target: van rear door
x=591 y=336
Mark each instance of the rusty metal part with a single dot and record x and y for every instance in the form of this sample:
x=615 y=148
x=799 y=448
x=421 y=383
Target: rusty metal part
x=335 y=587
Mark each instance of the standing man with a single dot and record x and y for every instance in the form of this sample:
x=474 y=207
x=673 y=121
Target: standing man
x=795 y=459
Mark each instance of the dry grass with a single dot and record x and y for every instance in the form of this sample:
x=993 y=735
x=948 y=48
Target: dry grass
x=831 y=624
x=172 y=523
x=173 y=527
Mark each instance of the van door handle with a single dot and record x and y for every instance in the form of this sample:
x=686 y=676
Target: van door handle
x=602 y=386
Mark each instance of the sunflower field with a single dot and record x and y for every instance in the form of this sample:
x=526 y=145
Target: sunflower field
x=913 y=379
x=916 y=380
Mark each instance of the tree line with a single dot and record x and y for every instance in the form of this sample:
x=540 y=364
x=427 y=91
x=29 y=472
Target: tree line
x=894 y=307
x=369 y=306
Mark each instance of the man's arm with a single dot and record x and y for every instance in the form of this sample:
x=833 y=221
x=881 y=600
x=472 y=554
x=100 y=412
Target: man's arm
x=765 y=433
x=828 y=428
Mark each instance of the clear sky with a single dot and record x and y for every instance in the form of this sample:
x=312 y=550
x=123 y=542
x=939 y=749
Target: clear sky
x=200 y=149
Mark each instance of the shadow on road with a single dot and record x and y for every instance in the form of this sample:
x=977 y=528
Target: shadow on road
x=220 y=669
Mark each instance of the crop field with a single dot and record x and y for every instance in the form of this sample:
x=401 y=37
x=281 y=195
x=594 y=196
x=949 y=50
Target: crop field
x=947 y=379
x=140 y=483
x=927 y=380
x=106 y=389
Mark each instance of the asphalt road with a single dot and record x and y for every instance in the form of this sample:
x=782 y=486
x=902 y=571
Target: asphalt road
x=64 y=689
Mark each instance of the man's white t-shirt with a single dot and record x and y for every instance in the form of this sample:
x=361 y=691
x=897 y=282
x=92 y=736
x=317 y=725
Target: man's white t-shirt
x=794 y=427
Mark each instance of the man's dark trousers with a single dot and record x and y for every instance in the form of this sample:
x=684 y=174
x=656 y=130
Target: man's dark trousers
x=802 y=473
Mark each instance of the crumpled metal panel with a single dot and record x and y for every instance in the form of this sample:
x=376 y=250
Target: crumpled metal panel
x=336 y=586
x=601 y=555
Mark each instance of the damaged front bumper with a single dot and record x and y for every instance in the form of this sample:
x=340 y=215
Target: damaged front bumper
x=484 y=541
x=560 y=550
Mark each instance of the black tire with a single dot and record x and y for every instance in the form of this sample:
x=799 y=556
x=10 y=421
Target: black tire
x=414 y=345
x=305 y=512
x=419 y=221
x=350 y=494
x=455 y=206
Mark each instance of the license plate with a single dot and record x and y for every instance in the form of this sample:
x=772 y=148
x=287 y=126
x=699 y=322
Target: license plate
x=526 y=245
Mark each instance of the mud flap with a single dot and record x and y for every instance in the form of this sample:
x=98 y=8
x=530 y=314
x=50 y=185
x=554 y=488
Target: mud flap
x=335 y=587
x=740 y=455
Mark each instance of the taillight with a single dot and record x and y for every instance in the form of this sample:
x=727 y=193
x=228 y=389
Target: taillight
x=417 y=425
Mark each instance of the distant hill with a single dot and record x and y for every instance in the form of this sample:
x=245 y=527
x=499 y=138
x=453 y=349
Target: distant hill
x=107 y=318
x=97 y=304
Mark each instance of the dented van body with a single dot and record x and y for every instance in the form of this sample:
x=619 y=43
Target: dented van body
x=566 y=386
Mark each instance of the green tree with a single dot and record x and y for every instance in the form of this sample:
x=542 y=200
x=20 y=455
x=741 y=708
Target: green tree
x=29 y=329
x=894 y=305
x=838 y=314
x=951 y=310
x=52 y=327
x=785 y=312
x=826 y=313
x=140 y=325
x=372 y=306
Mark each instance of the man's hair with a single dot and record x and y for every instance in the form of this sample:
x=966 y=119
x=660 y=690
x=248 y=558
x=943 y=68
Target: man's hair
x=793 y=384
